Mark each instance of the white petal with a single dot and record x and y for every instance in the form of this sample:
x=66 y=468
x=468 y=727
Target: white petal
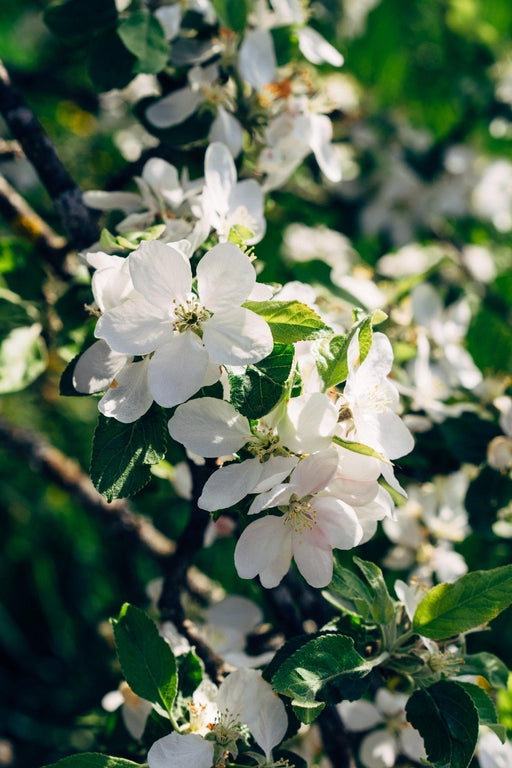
x=170 y=19
x=219 y=174
x=163 y=179
x=274 y=471
x=209 y=427
x=112 y=284
x=225 y=278
x=227 y=130
x=314 y=472
x=96 y=367
x=338 y=521
x=264 y=712
x=359 y=715
x=177 y=369
x=246 y=204
x=257 y=58
x=230 y=484
x=135 y=717
x=313 y=561
x=264 y=546
x=128 y=397
x=174 y=108
x=181 y=751
x=235 y=612
x=316 y=49
x=135 y=327
x=237 y=337
x=411 y=744
x=389 y=703
x=309 y=423
x=323 y=150
x=378 y=750
x=161 y=273
x=277 y=496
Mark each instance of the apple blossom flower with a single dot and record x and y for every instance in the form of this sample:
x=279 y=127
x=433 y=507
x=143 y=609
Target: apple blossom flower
x=381 y=747
x=181 y=750
x=491 y=752
x=310 y=526
x=134 y=710
x=188 y=334
x=227 y=202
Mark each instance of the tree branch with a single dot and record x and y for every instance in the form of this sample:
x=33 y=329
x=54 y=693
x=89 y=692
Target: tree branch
x=78 y=221
x=334 y=736
x=66 y=473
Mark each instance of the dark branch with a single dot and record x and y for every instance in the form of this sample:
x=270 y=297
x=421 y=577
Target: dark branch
x=334 y=736
x=66 y=473
x=78 y=221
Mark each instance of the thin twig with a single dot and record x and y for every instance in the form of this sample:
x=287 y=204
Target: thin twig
x=10 y=150
x=78 y=221
x=66 y=473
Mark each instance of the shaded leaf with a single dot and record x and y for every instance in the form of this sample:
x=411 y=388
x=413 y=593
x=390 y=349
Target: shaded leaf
x=262 y=385
x=142 y=34
x=70 y=18
x=92 y=760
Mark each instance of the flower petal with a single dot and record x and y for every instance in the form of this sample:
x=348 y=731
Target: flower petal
x=181 y=750
x=128 y=397
x=237 y=337
x=316 y=49
x=314 y=559
x=219 y=175
x=96 y=367
x=309 y=423
x=264 y=548
x=230 y=484
x=209 y=427
x=225 y=278
x=314 y=472
x=174 y=108
x=378 y=750
x=161 y=273
x=359 y=715
x=274 y=471
x=338 y=521
x=177 y=369
x=257 y=62
x=135 y=327
x=227 y=130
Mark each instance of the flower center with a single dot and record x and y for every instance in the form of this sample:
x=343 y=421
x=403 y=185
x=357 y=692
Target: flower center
x=189 y=316
x=265 y=443
x=299 y=514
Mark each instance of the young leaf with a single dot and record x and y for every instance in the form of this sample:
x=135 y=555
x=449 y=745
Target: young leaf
x=472 y=600
x=146 y=659
x=365 y=338
x=232 y=13
x=383 y=608
x=447 y=719
x=331 y=354
x=70 y=18
x=111 y=65
x=320 y=666
x=142 y=34
x=190 y=672
x=123 y=453
x=261 y=387
x=92 y=760
x=348 y=593
x=351 y=445
x=289 y=321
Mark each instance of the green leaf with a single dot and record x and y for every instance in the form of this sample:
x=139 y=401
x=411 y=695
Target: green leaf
x=123 y=453
x=474 y=599
x=232 y=13
x=92 y=760
x=331 y=354
x=307 y=712
x=262 y=385
x=289 y=321
x=111 y=65
x=70 y=18
x=447 y=719
x=142 y=34
x=488 y=666
x=486 y=710
x=146 y=659
x=348 y=593
x=365 y=338
x=23 y=357
x=319 y=668
x=351 y=445
x=190 y=672
x=383 y=607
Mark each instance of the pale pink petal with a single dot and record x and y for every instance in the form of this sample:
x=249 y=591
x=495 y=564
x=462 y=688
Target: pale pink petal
x=163 y=179
x=412 y=745
x=225 y=278
x=338 y=521
x=177 y=369
x=174 y=108
x=230 y=484
x=161 y=273
x=278 y=496
x=128 y=397
x=314 y=472
x=274 y=471
x=235 y=612
x=135 y=327
x=112 y=284
x=181 y=750
x=209 y=427
x=264 y=548
x=237 y=337
x=96 y=367
x=313 y=557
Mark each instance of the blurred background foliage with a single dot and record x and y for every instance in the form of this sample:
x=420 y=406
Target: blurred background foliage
x=426 y=75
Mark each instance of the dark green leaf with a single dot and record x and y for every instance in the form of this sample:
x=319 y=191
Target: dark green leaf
x=365 y=338
x=488 y=666
x=111 y=65
x=383 y=608
x=289 y=321
x=190 y=672
x=317 y=670
x=92 y=760
x=447 y=719
x=472 y=600
x=143 y=36
x=347 y=592
x=232 y=13
x=486 y=710
x=262 y=385
x=123 y=453
x=70 y=18
x=146 y=659
x=331 y=353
